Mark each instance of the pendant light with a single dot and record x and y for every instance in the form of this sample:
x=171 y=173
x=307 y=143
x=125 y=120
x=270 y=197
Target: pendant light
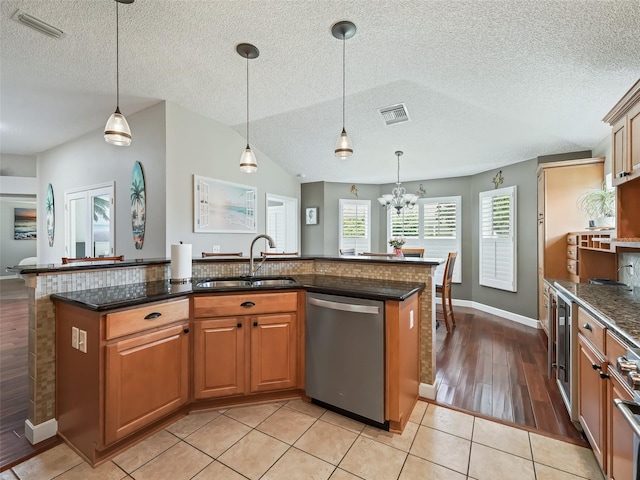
x=117 y=131
x=343 y=31
x=399 y=198
x=248 y=162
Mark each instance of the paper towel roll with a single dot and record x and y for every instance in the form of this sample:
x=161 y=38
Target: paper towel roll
x=180 y=263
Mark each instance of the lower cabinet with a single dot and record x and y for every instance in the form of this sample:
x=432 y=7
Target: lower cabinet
x=592 y=394
x=254 y=351
x=147 y=377
x=620 y=444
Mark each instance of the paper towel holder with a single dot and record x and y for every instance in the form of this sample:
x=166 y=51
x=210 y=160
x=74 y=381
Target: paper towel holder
x=180 y=280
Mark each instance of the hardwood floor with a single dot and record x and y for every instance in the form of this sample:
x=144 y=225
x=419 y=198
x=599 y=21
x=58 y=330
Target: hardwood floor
x=14 y=394
x=498 y=368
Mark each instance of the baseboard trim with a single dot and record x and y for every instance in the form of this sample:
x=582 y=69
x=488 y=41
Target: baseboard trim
x=515 y=317
x=40 y=432
x=427 y=390
x=9 y=277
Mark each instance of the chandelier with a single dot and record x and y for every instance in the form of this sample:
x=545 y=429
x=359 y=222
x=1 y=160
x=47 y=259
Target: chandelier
x=399 y=198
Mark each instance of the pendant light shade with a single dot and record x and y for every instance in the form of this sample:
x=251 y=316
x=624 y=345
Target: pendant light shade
x=248 y=162
x=117 y=131
x=343 y=31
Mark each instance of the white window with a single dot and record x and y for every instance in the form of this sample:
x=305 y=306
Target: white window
x=435 y=225
x=498 y=239
x=355 y=225
x=89 y=221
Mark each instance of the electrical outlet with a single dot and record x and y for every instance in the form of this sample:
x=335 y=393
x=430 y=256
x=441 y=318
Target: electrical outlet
x=410 y=319
x=215 y=249
x=74 y=337
x=82 y=341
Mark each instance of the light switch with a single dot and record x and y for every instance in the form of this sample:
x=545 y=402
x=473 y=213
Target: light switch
x=74 y=337
x=215 y=249
x=82 y=341
x=410 y=319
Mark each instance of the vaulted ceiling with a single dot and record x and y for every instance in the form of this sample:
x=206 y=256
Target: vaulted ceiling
x=485 y=83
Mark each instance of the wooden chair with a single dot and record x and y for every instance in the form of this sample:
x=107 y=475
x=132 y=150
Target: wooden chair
x=347 y=251
x=218 y=254
x=413 y=252
x=282 y=254
x=66 y=260
x=445 y=291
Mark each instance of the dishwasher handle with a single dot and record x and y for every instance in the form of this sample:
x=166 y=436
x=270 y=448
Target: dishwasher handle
x=629 y=411
x=345 y=307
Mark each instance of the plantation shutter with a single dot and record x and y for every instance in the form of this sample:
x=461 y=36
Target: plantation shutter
x=406 y=224
x=355 y=225
x=498 y=239
x=441 y=226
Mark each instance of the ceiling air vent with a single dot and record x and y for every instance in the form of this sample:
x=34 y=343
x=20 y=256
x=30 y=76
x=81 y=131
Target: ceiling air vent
x=395 y=114
x=37 y=24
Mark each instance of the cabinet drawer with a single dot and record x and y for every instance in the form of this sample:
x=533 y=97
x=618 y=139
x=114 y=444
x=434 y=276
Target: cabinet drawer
x=572 y=266
x=591 y=329
x=614 y=348
x=142 y=318
x=244 y=304
x=572 y=239
x=572 y=252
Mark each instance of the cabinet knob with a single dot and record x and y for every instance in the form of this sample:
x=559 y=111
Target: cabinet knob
x=186 y=330
x=247 y=304
x=152 y=315
x=604 y=376
x=622 y=174
x=239 y=325
x=255 y=324
x=595 y=366
x=586 y=326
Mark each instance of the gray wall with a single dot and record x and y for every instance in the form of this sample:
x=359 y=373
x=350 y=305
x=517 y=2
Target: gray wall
x=89 y=160
x=201 y=146
x=12 y=251
x=18 y=165
x=313 y=236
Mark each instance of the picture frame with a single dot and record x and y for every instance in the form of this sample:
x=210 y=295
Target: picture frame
x=24 y=224
x=223 y=207
x=311 y=216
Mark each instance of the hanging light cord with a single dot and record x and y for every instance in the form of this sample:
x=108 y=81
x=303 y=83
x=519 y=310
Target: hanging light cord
x=398 y=182
x=247 y=99
x=117 y=59
x=344 y=41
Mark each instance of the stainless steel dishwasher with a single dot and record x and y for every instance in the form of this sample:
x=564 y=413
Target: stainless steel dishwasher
x=345 y=354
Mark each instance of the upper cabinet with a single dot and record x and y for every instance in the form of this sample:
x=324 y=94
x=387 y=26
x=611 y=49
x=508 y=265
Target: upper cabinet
x=624 y=119
x=625 y=138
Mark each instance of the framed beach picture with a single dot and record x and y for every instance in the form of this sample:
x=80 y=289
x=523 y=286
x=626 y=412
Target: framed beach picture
x=24 y=224
x=50 y=212
x=223 y=207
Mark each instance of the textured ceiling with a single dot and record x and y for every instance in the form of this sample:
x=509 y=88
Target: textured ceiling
x=485 y=83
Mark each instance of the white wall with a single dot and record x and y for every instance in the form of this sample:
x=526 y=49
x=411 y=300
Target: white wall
x=18 y=165
x=201 y=146
x=89 y=160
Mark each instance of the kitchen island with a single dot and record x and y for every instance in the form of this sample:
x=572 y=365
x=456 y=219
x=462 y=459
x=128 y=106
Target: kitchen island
x=43 y=281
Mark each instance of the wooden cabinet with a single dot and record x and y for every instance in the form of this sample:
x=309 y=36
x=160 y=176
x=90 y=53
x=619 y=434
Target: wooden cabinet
x=624 y=119
x=147 y=377
x=592 y=394
x=251 y=347
x=135 y=371
x=560 y=184
x=599 y=383
x=590 y=254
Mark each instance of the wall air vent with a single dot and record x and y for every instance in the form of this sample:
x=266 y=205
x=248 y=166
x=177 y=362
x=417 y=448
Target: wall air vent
x=395 y=114
x=37 y=24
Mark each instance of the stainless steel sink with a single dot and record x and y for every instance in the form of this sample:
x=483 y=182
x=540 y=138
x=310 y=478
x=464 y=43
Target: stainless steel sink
x=245 y=282
x=223 y=283
x=264 y=282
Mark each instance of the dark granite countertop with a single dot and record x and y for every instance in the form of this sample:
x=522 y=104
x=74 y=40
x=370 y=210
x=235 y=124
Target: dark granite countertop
x=617 y=306
x=79 y=266
x=107 y=298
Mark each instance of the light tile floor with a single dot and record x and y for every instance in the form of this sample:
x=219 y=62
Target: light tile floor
x=296 y=440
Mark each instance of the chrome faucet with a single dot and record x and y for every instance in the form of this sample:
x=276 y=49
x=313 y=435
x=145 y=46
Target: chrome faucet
x=272 y=244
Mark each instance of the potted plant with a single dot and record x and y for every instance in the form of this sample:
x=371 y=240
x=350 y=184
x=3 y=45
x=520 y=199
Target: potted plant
x=599 y=206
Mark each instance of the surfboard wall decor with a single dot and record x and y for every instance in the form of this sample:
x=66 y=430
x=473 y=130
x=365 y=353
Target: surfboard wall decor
x=138 y=205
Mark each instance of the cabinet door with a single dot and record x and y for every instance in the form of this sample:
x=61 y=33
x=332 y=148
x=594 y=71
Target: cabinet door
x=273 y=352
x=620 y=434
x=219 y=357
x=591 y=398
x=633 y=122
x=146 y=378
x=619 y=151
